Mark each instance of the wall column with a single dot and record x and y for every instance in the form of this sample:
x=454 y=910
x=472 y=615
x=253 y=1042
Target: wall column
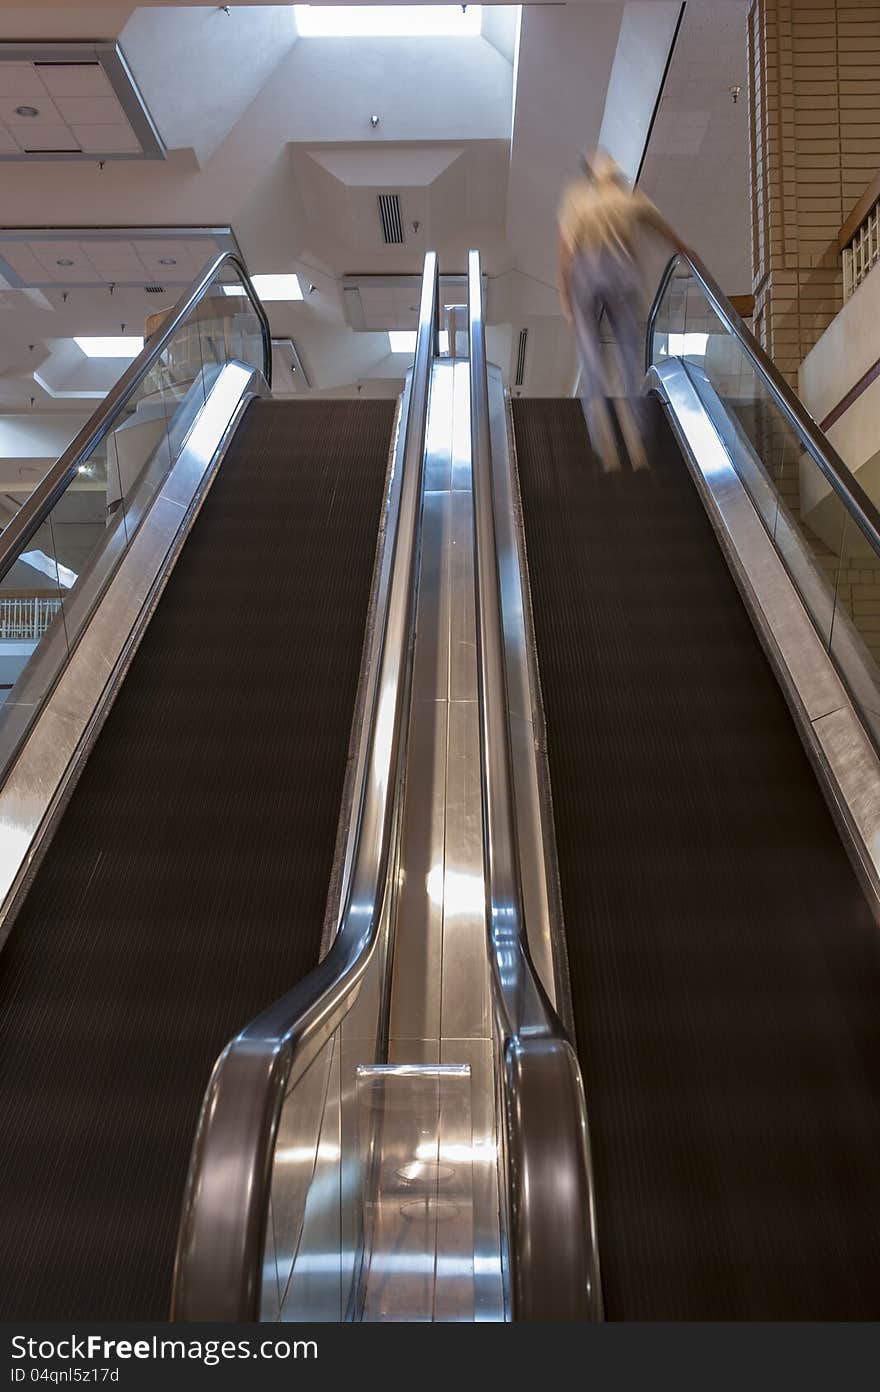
x=814 y=91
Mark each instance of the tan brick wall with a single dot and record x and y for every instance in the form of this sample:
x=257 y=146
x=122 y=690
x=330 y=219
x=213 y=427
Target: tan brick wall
x=814 y=88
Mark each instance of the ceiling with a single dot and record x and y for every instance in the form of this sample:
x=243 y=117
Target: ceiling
x=476 y=137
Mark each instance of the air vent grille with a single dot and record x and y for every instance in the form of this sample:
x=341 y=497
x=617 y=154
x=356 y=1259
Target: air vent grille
x=389 y=212
x=155 y=289
x=521 y=357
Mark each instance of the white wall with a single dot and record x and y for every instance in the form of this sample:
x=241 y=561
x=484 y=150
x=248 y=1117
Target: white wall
x=847 y=349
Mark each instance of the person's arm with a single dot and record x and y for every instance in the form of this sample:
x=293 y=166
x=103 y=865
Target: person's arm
x=653 y=218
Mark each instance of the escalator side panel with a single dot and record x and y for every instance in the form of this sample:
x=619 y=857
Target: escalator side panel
x=724 y=963
x=186 y=884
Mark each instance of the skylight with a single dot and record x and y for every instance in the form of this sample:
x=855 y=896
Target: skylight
x=386 y=21
x=271 y=287
x=404 y=340
x=127 y=346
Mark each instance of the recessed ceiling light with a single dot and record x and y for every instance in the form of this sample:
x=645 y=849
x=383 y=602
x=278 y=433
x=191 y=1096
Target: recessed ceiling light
x=167 y=260
x=27 y=111
x=64 y=261
x=120 y=346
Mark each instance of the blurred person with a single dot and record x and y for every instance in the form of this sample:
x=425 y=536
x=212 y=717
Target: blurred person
x=601 y=222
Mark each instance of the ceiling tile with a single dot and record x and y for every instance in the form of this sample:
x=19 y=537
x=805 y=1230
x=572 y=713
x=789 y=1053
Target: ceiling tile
x=7 y=144
x=48 y=112
x=106 y=140
x=92 y=111
x=35 y=137
x=19 y=80
x=75 y=79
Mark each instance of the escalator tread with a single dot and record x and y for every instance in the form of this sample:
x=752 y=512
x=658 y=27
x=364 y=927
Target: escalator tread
x=724 y=963
x=185 y=887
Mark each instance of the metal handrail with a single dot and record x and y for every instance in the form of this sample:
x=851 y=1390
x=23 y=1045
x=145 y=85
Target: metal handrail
x=33 y=512
x=841 y=479
x=553 y=1246
x=223 y=1224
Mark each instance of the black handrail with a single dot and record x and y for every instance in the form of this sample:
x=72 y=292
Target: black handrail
x=223 y=1225
x=554 y=1256
x=841 y=479
x=33 y=513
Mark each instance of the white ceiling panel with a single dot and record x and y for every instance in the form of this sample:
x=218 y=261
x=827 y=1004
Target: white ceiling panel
x=106 y=140
x=35 y=137
x=19 y=80
x=91 y=111
x=7 y=143
x=48 y=113
x=74 y=79
x=96 y=98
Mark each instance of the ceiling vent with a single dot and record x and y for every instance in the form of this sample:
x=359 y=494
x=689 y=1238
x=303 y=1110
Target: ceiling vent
x=521 y=357
x=389 y=212
x=155 y=289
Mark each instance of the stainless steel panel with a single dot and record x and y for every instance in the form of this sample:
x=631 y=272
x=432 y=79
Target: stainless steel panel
x=418 y=947
x=466 y=997
x=431 y=656
x=829 y=725
x=438 y=456
x=479 y=1055
x=460 y=581
x=744 y=537
x=461 y=429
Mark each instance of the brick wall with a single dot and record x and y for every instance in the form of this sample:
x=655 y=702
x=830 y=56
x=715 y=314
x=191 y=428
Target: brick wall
x=814 y=88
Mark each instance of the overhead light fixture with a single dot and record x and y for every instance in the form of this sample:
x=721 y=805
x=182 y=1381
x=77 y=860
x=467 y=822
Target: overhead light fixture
x=404 y=340
x=120 y=346
x=387 y=21
x=167 y=260
x=27 y=111
x=64 y=261
x=271 y=287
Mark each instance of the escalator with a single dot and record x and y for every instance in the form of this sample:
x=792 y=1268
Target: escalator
x=724 y=961
x=185 y=882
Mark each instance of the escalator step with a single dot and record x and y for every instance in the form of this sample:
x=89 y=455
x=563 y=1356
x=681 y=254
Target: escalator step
x=186 y=885
x=725 y=966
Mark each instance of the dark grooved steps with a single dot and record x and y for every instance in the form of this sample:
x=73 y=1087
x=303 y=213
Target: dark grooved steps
x=724 y=963
x=186 y=885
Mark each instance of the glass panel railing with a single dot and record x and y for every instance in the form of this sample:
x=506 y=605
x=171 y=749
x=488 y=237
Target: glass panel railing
x=802 y=492
x=67 y=539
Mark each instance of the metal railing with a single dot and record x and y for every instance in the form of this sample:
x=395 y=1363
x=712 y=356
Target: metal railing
x=553 y=1246
x=223 y=1225
x=858 y=240
x=815 y=443
x=26 y=617
x=39 y=504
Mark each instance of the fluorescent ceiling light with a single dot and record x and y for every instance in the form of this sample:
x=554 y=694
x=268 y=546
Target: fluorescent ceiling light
x=270 y=287
x=680 y=345
x=386 y=21
x=122 y=346
x=404 y=340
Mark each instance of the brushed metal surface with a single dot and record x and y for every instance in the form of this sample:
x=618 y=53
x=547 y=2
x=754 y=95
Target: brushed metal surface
x=842 y=753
